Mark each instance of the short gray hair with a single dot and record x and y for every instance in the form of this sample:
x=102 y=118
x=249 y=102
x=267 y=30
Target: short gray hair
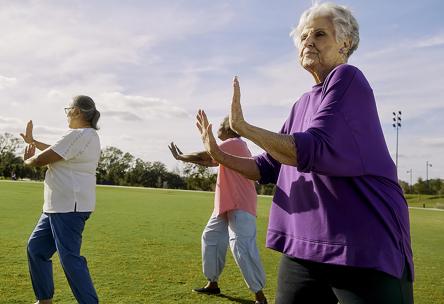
x=227 y=128
x=88 y=108
x=343 y=20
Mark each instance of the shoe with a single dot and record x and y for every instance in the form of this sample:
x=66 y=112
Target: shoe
x=261 y=302
x=207 y=290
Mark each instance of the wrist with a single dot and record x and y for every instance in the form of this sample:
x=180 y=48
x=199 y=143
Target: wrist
x=242 y=128
x=217 y=155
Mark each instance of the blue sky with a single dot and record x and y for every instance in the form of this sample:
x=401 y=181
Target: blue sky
x=151 y=64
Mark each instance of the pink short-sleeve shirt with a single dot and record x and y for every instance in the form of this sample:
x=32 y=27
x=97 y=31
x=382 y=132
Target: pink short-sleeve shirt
x=234 y=191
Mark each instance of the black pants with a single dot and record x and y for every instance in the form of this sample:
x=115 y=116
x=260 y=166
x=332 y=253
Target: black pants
x=305 y=282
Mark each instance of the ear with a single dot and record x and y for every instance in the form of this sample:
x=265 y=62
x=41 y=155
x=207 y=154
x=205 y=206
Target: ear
x=346 y=44
x=76 y=112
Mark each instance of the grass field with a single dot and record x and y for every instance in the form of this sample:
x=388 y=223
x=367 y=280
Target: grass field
x=143 y=246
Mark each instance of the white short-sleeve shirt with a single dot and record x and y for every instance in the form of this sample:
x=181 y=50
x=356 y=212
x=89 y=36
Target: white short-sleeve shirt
x=70 y=184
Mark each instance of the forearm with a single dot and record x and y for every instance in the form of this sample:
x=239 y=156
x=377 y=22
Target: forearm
x=33 y=162
x=244 y=165
x=210 y=163
x=39 y=145
x=45 y=158
x=196 y=157
x=280 y=146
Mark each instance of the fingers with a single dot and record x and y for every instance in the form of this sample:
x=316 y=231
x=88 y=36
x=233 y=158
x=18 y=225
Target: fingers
x=29 y=151
x=171 y=149
x=209 y=129
x=236 y=88
x=202 y=121
x=236 y=81
x=29 y=126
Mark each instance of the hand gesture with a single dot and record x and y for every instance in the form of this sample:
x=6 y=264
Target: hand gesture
x=236 y=115
x=29 y=151
x=27 y=137
x=205 y=129
x=177 y=154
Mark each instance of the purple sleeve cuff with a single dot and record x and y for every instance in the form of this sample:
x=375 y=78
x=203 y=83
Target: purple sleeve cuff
x=305 y=150
x=268 y=167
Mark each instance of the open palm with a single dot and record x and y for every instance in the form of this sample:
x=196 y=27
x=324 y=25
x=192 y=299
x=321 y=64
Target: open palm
x=205 y=129
x=236 y=115
x=27 y=137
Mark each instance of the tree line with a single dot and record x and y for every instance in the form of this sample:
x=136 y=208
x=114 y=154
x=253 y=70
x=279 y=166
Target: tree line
x=117 y=167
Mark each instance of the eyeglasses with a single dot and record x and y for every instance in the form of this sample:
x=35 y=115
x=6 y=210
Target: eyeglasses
x=68 y=109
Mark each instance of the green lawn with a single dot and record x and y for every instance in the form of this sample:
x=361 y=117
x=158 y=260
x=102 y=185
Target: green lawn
x=143 y=246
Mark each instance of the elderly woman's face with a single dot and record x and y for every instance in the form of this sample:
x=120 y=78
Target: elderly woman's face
x=318 y=50
x=72 y=112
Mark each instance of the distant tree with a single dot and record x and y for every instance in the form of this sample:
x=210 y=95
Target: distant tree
x=9 y=143
x=175 y=181
x=147 y=174
x=199 y=177
x=420 y=186
x=405 y=186
x=434 y=186
x=158 y=174
x=113 y=166
x=138 y=174
x=9 y=160
x=267 y=189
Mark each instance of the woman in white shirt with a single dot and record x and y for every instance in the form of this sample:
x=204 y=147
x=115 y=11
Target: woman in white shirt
x=69 y=199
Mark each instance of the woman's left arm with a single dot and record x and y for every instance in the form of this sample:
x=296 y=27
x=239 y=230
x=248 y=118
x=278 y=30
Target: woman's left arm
x=280 y=146
x=48 y=156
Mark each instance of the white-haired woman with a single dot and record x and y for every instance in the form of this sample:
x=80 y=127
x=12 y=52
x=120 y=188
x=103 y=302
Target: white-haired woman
x=338 y=215
x=69 y=199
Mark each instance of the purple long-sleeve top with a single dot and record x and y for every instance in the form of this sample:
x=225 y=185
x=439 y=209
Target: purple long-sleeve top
x=342 y=203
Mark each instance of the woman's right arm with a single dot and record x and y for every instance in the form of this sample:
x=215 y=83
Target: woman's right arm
x=199 y=158
x=244 y=165
x=29 y=139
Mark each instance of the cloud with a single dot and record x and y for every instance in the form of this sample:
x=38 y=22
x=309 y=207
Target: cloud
x=6 y=82
x=122 y=115
x=125 y=107
x=10 y=121
x=432 y=41
x=437 y=142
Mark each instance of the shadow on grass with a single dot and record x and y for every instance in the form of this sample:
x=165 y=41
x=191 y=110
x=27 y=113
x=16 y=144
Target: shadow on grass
x=233 y=299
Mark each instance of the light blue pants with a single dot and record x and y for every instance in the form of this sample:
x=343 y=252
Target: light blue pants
x=61 y=232
x=238 y=228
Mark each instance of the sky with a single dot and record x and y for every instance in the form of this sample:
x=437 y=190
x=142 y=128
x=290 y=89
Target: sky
x=150 y=65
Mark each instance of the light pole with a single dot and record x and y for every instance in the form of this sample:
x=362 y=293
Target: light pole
x=427 y=174
x=397 y=124
x=411 y=181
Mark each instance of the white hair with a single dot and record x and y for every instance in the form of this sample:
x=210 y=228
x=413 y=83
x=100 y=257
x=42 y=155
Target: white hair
x=346 y=26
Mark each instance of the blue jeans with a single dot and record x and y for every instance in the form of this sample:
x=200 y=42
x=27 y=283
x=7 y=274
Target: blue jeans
x=61 y=232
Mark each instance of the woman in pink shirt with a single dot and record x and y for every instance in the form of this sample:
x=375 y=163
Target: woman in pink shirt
x=233 y=220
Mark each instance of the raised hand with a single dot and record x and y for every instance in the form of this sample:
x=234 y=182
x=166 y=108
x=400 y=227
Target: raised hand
x=27 y=137
x=236 y=115
x=175 y=151
x=29 y=151
x=206 y=132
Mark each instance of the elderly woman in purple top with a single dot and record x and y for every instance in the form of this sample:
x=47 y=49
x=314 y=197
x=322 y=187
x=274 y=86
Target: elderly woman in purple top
x=338 y=215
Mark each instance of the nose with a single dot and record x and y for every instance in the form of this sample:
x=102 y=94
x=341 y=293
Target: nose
x=309 y=41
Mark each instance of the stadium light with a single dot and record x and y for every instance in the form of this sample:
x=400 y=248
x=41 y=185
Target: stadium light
x=427 y=174
x=397 y=124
